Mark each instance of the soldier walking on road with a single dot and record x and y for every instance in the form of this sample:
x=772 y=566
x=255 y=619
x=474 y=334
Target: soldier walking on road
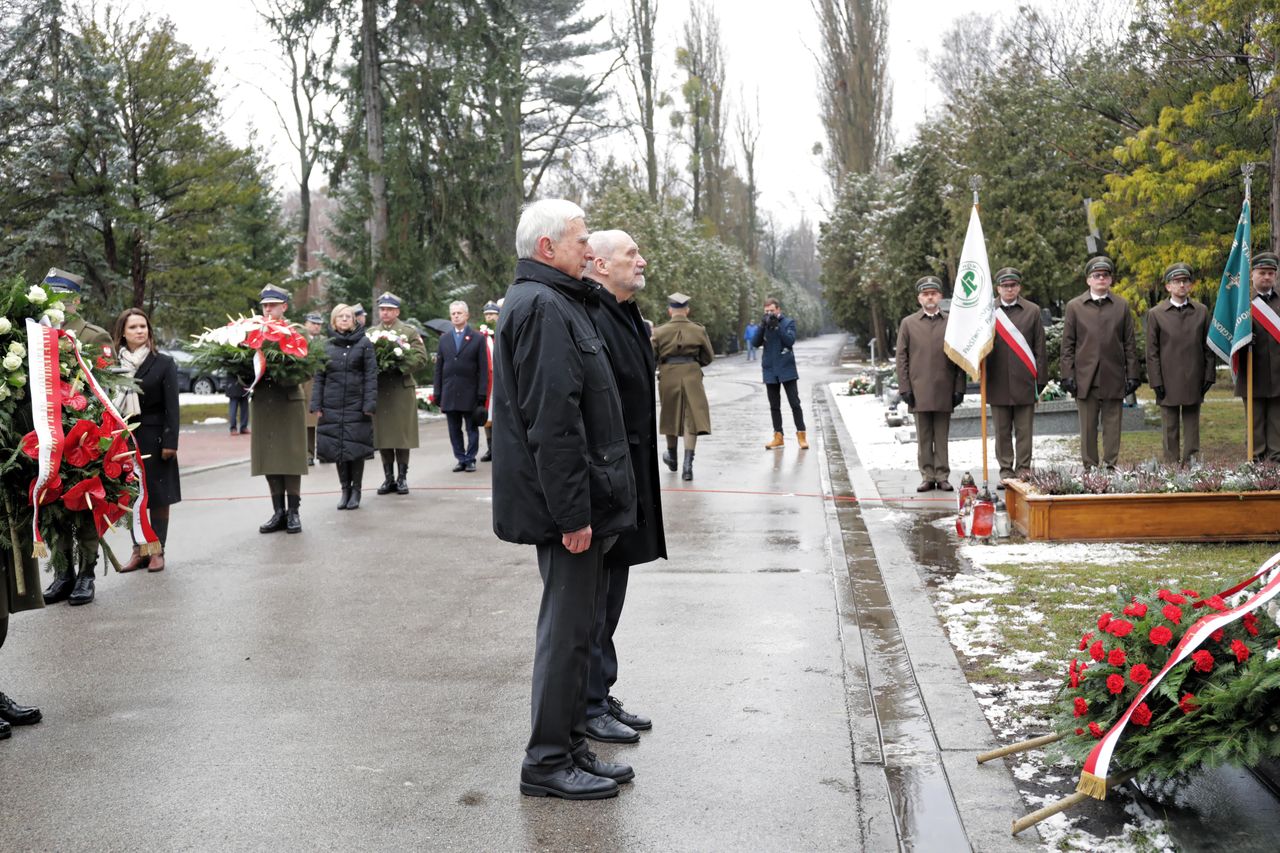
x=619 y=268
x=566 y=484
x=929 y=382
x=1266 y=362
x=395 y=423
x=682 y=349
x=1017 y=371
x=777 y=334
x=1099 y=361
x=1181 y=367
x=73 y=567
x=278 y=443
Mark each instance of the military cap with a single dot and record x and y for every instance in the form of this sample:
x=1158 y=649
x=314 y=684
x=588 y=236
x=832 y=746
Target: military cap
x=678 y=300
x=1265 y=261
x=929 y=282
x=61 y=281
x=271 y=293
x=1008 y=274
x=314 y=317
x=1101 y=262
x=1177 y=269
x=388 y=300
x=491 y=308
x=357 y=310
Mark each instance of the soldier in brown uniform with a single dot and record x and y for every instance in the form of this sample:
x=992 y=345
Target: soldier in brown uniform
x=313 y=328
x=1017 y=371
x=683 y=349
x=931 y=384
x=278 y=443
x=1266 y=365
x=1180 y=365
x=1099 y=361
x=73 y=580
x=395 y=423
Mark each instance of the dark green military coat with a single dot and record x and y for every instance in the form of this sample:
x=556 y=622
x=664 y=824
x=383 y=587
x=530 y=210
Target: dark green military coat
x=395 y=423
x=683 y=349
x=278 y=440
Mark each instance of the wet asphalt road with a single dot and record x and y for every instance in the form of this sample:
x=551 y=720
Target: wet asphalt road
x=365 y=684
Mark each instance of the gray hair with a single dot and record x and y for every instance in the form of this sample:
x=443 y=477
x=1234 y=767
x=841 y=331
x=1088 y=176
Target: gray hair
x=604 y=243
x=549 y=218
x=458 y=303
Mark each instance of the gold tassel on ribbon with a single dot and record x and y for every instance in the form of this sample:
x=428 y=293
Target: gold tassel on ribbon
x=150 y=549
x=1094 y=786
x=40 y=551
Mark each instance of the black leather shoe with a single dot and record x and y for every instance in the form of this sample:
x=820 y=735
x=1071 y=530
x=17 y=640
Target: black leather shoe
x=925 y=486
x=83 y=591
x=635 y=721
x=669 y=459
x=275 y=523
x=459 y=468
x=402 y=485
x=6 y=730
x=606 y=729
x=488 y=456
x=471 y=467
x=591 y=763
x=570 y=784
x=59 y=589
x=17 y=715
x=388 y=486
x=946 y=486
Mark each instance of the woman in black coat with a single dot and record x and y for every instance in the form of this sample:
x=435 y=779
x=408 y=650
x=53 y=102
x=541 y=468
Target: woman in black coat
x=345 y=394
x=154 y=406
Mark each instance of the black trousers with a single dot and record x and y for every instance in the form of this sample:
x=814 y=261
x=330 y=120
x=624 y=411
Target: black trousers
x=572 y=590
x=458 y=421
x=775 y=403
x=603 y=670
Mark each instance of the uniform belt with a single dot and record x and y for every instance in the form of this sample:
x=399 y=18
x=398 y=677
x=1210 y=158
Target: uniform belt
x=678 y=359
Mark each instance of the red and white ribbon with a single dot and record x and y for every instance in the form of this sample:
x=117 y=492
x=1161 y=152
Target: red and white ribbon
x=44 y=384
x=1017 y=342
x=259 y=369
x=1265 y=316
x=1093 y=778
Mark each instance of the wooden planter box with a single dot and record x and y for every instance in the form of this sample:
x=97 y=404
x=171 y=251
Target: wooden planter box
x=1183 y=517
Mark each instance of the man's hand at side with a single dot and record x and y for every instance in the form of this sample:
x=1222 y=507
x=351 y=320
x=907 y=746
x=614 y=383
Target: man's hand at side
x=577 y=541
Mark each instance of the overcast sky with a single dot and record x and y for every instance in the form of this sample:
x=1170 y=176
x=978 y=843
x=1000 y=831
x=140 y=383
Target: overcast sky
x=768 y=47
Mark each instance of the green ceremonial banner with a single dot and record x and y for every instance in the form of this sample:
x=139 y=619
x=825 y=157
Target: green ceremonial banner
x=1232 y=327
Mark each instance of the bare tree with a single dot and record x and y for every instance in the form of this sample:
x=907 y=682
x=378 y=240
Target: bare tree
x=748 y=127
x=637 y=45
x=371 y=72
x=702 y=57
x=853 y=83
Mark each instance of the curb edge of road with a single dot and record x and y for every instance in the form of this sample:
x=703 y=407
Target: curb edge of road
x=187 y=472
x=985 y=795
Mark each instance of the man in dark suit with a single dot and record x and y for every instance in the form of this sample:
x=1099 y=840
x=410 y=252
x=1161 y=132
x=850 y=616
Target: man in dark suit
x=619 y=270
x=462 y=384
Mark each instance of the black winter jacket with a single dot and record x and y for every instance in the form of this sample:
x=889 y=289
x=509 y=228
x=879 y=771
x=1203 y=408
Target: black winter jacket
x=345 y=392
x=557 y=419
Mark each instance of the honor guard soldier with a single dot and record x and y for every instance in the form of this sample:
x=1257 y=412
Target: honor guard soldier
x=73 y=572
x=490 y=328
x=1181 y=367
x=1099 y=361
x=931 y=384
x=313 y=327
x=359 y=313
x=682 y=349
x=1017 y=371
x=1266 y=360
x=395 y=423
x=278 y=443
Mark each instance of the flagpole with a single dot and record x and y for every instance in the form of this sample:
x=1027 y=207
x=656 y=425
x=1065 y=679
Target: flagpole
x=1247 y=170
x=974 y=182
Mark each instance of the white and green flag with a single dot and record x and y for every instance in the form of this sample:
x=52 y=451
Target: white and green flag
x=971 y=323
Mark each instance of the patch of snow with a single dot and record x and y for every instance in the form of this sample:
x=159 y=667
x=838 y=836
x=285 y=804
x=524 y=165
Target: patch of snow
x=189 y=399
x=1084 y=553
x=212 y=421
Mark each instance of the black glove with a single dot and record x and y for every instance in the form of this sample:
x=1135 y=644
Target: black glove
x=1204 y=389
x=771 y=321
x=1131 y=385
x=480 y=415
x=1159 y=389
x=908 y=398
x=1040 y=389
x=1069 y=385
x=957 y=398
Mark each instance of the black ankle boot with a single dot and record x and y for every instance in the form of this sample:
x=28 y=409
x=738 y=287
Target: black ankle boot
x=344 y=480
x=83 y=592
x=60 y=589
x=277 y=520
x=355 y=480
x=687 y=474
x=669 y=458
x=292 y=523
x=402 y=485
x=389 y=479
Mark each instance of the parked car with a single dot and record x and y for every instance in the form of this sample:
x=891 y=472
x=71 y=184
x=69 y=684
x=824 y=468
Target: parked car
x=191 y=378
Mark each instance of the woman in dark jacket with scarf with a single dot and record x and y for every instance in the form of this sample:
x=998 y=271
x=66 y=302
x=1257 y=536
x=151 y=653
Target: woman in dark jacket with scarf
x=345 y=394
x=154 y=406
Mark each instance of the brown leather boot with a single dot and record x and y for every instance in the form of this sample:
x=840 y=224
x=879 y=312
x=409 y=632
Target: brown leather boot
x=775 y=442
x=802 y=441
x=157 y=563
x=136 y=561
